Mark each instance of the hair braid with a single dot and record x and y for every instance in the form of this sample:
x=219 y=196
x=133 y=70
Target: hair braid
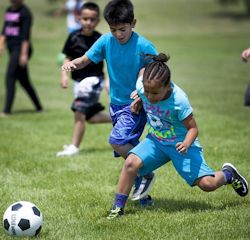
x=157 y=69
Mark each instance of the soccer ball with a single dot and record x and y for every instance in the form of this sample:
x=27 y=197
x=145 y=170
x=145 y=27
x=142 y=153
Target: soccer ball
x=22 y=219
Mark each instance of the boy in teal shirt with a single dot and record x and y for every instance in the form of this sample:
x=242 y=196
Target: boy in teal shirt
x=124 y=51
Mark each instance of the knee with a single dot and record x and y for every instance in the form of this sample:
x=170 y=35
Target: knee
x=206 y=184
x=131 y=165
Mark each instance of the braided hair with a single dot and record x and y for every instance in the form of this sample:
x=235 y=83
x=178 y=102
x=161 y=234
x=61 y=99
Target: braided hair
x=157 y=69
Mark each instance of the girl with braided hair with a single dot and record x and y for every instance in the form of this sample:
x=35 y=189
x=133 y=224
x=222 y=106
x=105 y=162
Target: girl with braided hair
x=172 y=136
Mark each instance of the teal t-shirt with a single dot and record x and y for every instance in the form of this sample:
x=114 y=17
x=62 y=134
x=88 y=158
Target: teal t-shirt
x=164 y=119
x=124 y=62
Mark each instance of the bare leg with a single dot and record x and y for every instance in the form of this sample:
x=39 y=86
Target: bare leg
x=79 y=129
x=211 y=183
x=100 y=117
x=122 y=149
x=128 y=174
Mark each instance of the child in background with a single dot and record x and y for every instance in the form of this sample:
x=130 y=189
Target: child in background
x=172 y=136
x=16 y=34
x=88 y=82
x=245 y=55
x=123 y=49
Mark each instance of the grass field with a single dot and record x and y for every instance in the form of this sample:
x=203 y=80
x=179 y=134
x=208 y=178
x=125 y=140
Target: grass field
x=205 y=41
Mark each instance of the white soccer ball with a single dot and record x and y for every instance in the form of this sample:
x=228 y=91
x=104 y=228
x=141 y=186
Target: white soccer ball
x=22 y=219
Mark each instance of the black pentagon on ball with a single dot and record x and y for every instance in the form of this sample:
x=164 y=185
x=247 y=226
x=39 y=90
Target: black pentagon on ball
x=16 y=207
x=6 y=224
x=36 y=211
x=38 y=230
x=24 y=224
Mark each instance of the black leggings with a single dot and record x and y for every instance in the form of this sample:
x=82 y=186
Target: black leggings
x=16 y=72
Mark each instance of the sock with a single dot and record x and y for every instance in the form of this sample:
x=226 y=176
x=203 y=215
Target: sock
x=228 y=176
x=120 y=200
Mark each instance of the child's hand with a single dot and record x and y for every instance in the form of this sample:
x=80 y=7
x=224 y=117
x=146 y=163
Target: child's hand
x=134 y=95
x=23 y=60
x=181 y=147
x=136 y=105
x=64 y=82
x=245 y=54
x=69 y=66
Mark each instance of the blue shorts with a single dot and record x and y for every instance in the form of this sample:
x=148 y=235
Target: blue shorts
x=191 y=166
x=127 y=126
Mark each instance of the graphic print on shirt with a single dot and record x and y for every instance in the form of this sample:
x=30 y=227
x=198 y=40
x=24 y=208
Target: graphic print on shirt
x=160 y=123
x=12 y=29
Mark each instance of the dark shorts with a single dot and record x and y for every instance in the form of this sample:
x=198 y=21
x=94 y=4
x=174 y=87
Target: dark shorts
x=127 y=126
x=87 y=97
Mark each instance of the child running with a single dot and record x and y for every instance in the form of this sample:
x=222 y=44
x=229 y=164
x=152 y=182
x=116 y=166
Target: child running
x=172 y=135
x=124 y=50
x=88 y=82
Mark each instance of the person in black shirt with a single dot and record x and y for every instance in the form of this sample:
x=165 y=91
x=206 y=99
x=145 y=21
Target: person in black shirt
x=88 y=82
x=16 y=35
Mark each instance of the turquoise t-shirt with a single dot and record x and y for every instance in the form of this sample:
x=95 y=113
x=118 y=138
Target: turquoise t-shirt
x=124 y=62
x=164 y=119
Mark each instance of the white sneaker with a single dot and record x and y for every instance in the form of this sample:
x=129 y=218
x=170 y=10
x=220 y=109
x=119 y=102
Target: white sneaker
x=68 y=150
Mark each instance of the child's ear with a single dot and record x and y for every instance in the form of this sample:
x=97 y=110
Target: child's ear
x=133 y=23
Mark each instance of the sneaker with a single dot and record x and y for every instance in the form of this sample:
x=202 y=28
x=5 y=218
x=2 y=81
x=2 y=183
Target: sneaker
x=115 y=212
x=68 y=150
x=239 y=183
x=141 y=190
x=146 y=201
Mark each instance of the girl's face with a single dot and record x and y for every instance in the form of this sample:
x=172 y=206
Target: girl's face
x=123 y=31
x=89 y=20
x=155 y=91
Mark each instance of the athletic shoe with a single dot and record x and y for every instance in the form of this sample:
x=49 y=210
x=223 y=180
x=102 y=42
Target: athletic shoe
x=141 y=190
x=68 y=150
x=146 y=201
x=115 y=212
x=239 y=183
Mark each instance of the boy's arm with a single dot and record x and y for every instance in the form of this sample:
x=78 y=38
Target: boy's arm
x=191 y=135
x=2 y=43
x=76 y=64
x=64 y=76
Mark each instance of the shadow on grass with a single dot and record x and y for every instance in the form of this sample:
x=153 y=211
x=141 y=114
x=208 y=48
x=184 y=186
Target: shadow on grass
x=173 y=206
x=231 y=15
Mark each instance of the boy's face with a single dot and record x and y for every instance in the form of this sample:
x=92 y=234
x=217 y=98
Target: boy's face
x=89 y=20
x=122 y=31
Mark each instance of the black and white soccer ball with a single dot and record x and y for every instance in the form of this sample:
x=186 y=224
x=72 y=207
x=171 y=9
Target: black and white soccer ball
x=22 y=219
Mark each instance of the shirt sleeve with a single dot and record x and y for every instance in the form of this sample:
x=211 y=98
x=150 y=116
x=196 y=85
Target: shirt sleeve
x=26 y=23
x=66 y=47
x=97 y=52
x=185 y=109
x=139 y=86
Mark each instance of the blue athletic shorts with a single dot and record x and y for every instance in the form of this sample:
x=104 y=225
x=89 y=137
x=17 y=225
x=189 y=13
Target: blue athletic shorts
x=127 y=126
x=191 y=166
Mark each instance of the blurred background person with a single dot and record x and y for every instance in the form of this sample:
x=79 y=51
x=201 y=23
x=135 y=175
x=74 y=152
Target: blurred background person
x=16 y=34
x=245 y=55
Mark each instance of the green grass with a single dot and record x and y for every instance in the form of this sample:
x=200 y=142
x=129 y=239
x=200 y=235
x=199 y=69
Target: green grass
x=74 y=194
